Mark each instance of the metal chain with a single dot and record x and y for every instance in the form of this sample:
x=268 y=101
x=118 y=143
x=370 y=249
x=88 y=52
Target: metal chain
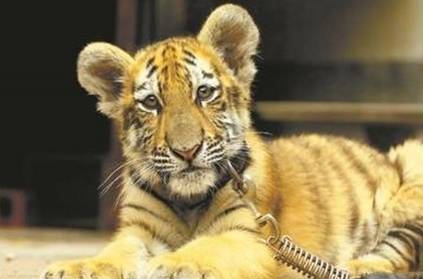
x=246 y=190
x=285 y=250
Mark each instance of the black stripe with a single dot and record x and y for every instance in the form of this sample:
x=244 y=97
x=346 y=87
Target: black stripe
x=242 y=228
x=217 y=100
x=399 y=252
x=222 y=215
x=189 y=61
x=140 y=87
x=396 y=164
x=358 y=165
x=207 y=75
x=141 y=208
x=159 y=86
x=177 y=66
x=215 y=155
x=405 y=237
x=162 y=160
x=189 y=53
x=363 y=248
x=213 y=144
x=227 y=212
x=219 y=123
x=143 y=187
x=146 y=138
x=414 y=228
x=146 y=187
x=165 y=71
x=149 y=62
x=147 y=228
x=416 y=242
x=187 y=77
x=396 y=267
x=151 y=71
x=223 y=106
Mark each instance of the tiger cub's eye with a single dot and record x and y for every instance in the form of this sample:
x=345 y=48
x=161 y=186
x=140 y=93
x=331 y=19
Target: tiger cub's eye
x=204 y=92
x=150 y=102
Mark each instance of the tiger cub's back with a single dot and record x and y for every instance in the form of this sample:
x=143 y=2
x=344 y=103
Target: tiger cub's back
x=333 y=191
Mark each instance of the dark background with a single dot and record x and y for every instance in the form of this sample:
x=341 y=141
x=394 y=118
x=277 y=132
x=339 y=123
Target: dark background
x=52 y=138
x=53 y=141
x=44 y=110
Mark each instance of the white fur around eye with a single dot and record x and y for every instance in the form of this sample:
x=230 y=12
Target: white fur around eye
x=140 y=95
x=142 y=107
x=215 y=94
x=145 y=86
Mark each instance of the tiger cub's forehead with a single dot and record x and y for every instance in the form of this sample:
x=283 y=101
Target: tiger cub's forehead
x=180 y=60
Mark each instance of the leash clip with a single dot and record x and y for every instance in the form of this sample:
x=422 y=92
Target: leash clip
x=246 y=190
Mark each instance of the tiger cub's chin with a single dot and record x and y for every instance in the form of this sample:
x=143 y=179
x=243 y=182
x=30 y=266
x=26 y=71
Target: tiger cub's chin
x=197 y=182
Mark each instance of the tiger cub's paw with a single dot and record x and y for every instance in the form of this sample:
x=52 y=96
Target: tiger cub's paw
x=171 y=266
x=91 y=268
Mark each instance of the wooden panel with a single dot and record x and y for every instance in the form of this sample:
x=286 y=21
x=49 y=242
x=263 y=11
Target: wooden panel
x=13 y=207
x=341 y=112
x=126 y=24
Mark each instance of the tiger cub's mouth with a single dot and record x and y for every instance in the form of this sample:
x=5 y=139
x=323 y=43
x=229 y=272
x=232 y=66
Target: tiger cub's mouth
x=191 y=169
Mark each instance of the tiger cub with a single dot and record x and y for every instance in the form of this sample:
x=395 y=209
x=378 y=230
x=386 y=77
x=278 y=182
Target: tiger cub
x=182 y=107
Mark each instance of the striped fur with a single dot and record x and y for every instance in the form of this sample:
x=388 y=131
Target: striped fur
x=179 y=217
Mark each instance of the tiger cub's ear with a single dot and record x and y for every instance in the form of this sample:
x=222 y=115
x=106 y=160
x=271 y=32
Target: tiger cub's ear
x=233 y=33
x=101 y=67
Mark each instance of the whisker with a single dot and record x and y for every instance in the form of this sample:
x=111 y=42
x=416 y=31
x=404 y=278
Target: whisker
x=110 y=175
x=264 y=133
x=119 y=167
x=110 y=185
x=143 y=167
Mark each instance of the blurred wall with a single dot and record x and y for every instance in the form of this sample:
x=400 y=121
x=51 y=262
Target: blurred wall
x=349 y=30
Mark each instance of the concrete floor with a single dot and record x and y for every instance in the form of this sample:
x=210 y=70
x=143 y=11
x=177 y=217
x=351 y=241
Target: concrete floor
x=24 y=253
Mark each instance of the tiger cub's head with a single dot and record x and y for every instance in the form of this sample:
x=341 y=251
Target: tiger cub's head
x=181 y=105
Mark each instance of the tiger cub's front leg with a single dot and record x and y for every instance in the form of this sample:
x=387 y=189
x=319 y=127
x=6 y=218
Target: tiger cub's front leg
x=227 y=245
x=124 y=258
x=233 y=254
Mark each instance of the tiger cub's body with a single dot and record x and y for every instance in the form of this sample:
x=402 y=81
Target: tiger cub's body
x=182 y=107
x=351 y=204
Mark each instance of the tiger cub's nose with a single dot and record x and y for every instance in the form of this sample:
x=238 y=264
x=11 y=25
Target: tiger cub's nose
x=189 y=153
